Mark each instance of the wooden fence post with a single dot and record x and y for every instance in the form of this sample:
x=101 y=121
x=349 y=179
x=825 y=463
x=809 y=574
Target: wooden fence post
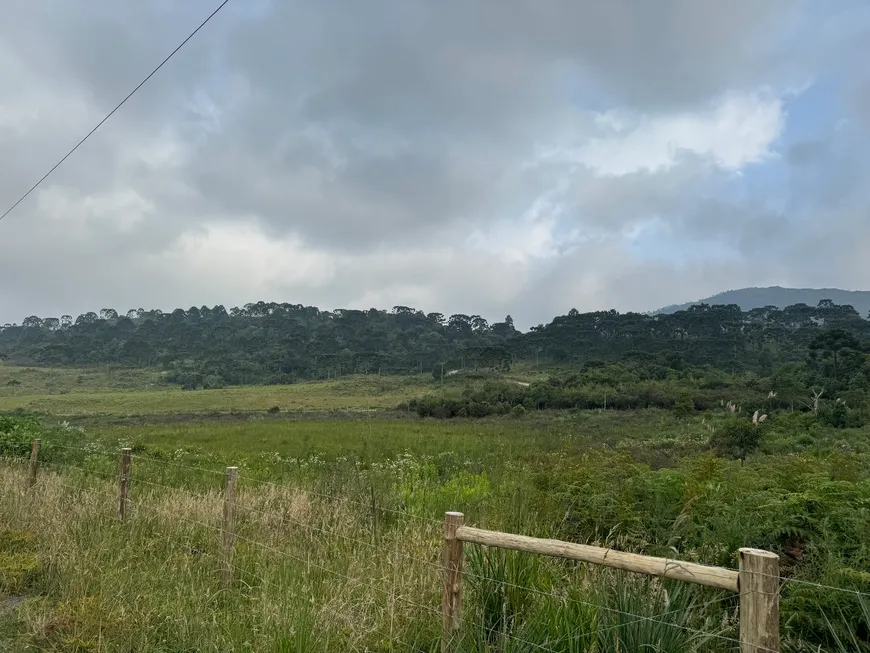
x=374 y=517
x=759 y=601
x=34 y=463
x=124 y=482
x=232 y=477
x=451 y=601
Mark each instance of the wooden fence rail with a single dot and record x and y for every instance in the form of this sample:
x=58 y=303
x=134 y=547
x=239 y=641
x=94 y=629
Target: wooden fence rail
x=757 y=581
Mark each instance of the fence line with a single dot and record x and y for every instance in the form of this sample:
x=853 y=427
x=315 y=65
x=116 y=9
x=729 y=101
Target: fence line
x=247 y=572
x=306 y=561
x=757 y=580
x=329 y=533
x=250 y=509
x=759 y=594
x=428 y=609
x=435 y=566
x=220 y=472
x=339 y=499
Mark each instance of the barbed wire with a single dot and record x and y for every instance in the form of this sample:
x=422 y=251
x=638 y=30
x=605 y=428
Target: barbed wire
x=436 y=566
x=222 y=472
x=598 y=631
x=216 y=496
x=244 y=572
x=784 y=579
x=251 y=509
x=272 y=549
x=330 y=533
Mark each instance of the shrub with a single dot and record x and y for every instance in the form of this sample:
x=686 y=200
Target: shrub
x=839 y=416
x=17 y=435
x=684 y=405
x=737 y=439
x=213 y=382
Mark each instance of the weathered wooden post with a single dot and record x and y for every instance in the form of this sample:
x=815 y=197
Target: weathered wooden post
x=232 y=477
x=759 y=601
x=34 y=463
x=124 y=482
x=451 y=601
x=374 y=517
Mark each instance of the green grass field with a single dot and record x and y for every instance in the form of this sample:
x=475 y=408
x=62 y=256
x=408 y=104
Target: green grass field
x=138 y=392
x=15 y=380
x=340 y=518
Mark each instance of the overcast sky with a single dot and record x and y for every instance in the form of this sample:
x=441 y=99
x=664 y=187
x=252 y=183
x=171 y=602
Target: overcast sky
x=482 y=156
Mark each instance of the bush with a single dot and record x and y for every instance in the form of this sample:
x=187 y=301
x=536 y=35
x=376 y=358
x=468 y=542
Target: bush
x=213 y=382
x=518 y=411
x=839 y=416
x=737 y=439
x=17 y=435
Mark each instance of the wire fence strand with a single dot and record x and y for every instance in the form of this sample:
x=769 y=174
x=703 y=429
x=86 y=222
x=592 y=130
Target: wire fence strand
x=220 y=473
x=57 y=468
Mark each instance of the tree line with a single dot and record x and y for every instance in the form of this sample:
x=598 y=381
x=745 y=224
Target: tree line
x=284 y=343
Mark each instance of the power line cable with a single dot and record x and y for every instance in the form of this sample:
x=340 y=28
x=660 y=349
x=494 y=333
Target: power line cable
x=112 y=112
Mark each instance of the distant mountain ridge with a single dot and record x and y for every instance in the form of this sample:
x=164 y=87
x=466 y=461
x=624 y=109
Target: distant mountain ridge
x=749 y=298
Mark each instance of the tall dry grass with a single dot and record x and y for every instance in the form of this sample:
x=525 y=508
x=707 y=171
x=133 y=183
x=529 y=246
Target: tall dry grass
x=307 y=575
x=310 y=573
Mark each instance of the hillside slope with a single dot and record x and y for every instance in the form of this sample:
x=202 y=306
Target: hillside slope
x=750 y=298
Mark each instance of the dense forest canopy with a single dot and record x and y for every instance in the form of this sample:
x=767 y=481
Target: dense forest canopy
x=280 y=343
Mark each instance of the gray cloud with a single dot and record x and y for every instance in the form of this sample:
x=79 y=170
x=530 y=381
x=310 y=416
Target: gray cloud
x=342 y=154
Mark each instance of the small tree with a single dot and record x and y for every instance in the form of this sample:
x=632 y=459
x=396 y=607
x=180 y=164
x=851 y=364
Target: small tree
x=739 y=438
x=684 y=406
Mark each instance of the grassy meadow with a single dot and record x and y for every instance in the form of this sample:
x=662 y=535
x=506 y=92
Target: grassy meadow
x=120 y=392
x=339 y=523
x=17 y=380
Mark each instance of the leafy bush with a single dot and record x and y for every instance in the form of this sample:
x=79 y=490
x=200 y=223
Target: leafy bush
x=737 y=439
x=17 y=435
x=839 y=416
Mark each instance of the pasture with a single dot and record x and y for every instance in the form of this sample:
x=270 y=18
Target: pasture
x=122 y=392
x=339 y=524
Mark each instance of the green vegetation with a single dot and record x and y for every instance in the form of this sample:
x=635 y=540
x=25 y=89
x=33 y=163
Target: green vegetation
x=273 y=343
x=339 y=531
x=18 y=381
x=688 y=435
x=352 y=393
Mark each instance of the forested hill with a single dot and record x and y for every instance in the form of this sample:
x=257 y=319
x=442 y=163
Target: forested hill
x=750 y=298
x=279 y=343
